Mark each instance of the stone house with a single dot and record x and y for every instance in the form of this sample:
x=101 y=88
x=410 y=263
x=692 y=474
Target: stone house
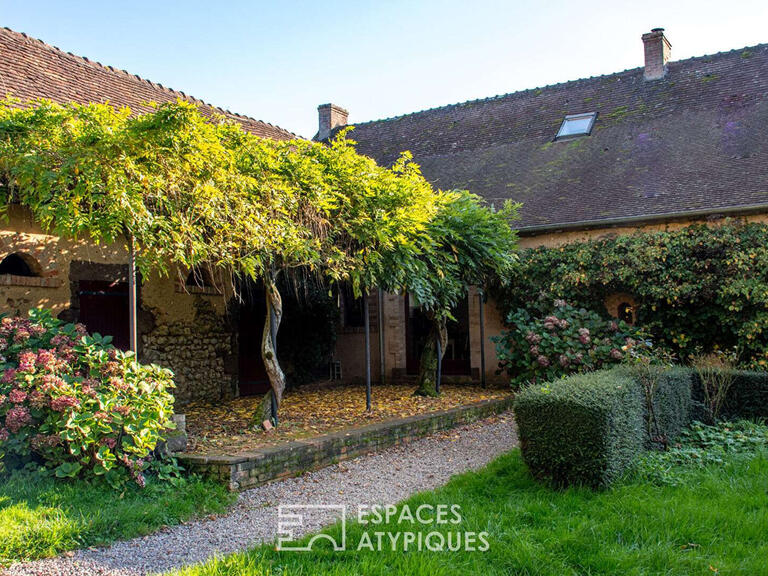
x=186 y=321
x=655 y=147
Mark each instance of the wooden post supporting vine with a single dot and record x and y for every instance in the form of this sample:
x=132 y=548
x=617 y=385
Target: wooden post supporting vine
x=132 y=298
x=367 y=325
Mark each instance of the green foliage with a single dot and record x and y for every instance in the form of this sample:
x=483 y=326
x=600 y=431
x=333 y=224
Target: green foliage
x=697 y=287
x=589 y=428
x=667 y=405
x=701 y=446
x=563 y=341
x=42 y=516
x=716 y=519
x=583 y=429
x=77 y=405
x=747 y=396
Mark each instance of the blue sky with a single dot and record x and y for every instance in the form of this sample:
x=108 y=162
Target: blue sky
x=277 y=61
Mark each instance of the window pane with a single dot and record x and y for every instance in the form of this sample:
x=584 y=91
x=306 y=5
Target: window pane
x=576 y=125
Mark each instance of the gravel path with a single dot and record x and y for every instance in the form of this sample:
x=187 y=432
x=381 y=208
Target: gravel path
x=383 y=478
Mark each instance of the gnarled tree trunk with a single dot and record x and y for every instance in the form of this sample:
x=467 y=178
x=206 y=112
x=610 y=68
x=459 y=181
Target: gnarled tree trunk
x=269 y=351
x=429 y=360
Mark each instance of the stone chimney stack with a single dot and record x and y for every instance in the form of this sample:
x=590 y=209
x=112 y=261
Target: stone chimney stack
x=657 y=53
x=330 y=116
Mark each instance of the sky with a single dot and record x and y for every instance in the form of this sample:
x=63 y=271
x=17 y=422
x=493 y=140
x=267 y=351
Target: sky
x=277 y=61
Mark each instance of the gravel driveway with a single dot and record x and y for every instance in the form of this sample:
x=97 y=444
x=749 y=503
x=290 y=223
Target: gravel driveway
x=383 y=478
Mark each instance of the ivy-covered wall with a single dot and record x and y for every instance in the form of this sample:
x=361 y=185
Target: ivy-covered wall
x=696 y=286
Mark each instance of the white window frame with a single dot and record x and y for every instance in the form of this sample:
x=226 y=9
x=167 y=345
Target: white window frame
x=592 y=117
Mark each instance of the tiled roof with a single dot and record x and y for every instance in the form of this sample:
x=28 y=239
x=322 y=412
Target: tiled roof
x=31 y=69
x=693 y=142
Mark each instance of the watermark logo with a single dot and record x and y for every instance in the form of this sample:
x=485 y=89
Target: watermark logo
x=434 y=528
x=291 y=517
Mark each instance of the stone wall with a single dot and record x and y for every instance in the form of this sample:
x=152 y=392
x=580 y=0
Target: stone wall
x=201 y=353
x=190 y=333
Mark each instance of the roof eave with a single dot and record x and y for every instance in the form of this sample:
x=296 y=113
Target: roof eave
x=643 y=219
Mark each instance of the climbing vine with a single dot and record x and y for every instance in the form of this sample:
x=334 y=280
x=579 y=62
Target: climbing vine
x=696 y=287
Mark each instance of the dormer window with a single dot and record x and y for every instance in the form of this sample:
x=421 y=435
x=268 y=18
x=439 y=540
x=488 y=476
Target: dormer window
x=575 y=125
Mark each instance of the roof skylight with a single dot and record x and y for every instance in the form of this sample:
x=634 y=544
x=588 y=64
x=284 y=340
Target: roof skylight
x=576 y=125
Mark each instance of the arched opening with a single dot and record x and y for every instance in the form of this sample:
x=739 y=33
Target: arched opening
x=20 y=264
x=626 y=312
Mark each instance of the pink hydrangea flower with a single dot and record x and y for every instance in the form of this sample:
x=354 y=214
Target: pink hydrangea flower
x=122 y=410
x=27 y=361
x=551 y=322
x=4 y=435
x=616 y=354
x=62 y=403
x=46 y=359
x=9 y=375
x=17 y=396
x=16 y=418
x=564 y=360
x=543 y=361
x=38 y=399
x=109 y=442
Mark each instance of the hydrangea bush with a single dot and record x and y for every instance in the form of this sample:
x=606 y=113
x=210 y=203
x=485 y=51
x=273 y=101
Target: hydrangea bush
x=77 y=405
x=564 y=341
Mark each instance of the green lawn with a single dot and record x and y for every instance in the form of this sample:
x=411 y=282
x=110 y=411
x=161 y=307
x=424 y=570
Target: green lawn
x=41 y=517
x=715 y=522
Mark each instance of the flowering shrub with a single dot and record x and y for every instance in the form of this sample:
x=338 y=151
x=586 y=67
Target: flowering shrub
x=698 y=287
x=568 y=340
x=75 y=404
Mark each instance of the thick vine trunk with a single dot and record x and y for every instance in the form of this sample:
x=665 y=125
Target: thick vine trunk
x=429 y=360
x=269 y=352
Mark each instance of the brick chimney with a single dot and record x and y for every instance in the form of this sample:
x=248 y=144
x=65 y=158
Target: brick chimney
x=657 y=53
x=330 y=116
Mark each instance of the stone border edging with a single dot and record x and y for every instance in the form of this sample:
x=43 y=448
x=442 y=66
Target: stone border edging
x=250 y=469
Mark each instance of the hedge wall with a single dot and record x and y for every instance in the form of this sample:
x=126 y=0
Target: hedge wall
x=671 y=401
x=583 y=429
x=747 y=396
x=588 y=428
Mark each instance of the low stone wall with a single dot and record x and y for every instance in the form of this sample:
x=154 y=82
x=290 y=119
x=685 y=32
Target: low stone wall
x=275 y=462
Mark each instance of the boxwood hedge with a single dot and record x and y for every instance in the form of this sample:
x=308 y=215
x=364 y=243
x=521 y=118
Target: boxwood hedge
x=586 y=429
x=582 y=429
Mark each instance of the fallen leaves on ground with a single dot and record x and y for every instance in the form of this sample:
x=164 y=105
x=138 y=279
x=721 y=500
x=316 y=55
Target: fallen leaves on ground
x=225 y=427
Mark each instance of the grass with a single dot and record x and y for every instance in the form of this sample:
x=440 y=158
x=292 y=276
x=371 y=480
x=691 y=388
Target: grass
x=41 y=516
x=714 y=523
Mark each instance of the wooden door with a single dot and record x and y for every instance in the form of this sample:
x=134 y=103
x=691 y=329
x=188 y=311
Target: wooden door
x=104 y=309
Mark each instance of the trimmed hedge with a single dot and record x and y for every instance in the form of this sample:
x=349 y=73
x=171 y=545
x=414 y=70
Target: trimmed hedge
x=747 y=397
x=587 y=429
x=583 y=429
x=671 y=402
